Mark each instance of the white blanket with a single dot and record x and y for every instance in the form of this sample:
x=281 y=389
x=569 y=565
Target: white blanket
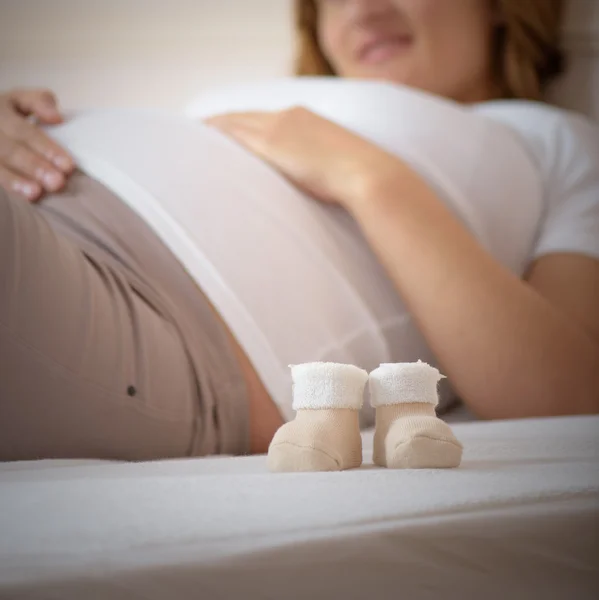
x=517 y=520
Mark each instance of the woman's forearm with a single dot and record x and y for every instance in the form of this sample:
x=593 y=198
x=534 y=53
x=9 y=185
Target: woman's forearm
x=508 y=352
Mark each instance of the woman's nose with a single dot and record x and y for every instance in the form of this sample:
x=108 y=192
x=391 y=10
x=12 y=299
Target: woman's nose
x=360 y=11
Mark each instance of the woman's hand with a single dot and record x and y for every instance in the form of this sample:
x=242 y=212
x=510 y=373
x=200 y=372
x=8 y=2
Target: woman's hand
x=30 y=162
x=326 y=160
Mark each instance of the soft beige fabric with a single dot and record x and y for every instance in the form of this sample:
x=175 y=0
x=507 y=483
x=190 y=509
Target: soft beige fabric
x=318 y=440
x=409 y=435
x=325 y=434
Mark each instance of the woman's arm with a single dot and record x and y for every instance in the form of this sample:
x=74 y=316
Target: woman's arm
x=511 y=349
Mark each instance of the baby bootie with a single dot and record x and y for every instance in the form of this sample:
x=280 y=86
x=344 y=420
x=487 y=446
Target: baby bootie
x=408 y=433
x=325 y=434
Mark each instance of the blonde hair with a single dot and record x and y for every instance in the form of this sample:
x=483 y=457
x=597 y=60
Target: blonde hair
x=527 y=54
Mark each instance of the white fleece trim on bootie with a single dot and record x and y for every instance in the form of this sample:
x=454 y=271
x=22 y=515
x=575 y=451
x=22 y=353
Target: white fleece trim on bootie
x=325 y=385
x=401 y=383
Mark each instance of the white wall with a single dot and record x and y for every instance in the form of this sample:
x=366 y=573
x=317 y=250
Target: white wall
x=162 y=52
x=140 y=52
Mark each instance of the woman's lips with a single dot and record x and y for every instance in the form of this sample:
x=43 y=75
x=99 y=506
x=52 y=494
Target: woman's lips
x=379 y=51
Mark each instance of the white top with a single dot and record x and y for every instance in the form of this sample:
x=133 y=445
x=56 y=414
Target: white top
x=293 y=278
x=565 y=147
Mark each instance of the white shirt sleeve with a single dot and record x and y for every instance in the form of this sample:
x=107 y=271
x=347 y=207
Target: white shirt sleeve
x=571 y=219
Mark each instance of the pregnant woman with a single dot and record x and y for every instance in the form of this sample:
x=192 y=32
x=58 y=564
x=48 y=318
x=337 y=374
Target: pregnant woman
x=151 y=308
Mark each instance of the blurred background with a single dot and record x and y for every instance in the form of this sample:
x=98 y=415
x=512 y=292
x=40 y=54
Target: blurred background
x=156 y=53
x=161 y=53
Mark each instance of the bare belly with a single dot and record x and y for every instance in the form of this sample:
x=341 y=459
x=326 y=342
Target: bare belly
x=264 y=415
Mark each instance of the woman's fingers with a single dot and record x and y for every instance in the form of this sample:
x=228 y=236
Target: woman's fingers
x=40 y=103
x=14 y=127
x=13 y=182
x=24 y=162
x=37 y=141
x=32 y=163
x=27 y=153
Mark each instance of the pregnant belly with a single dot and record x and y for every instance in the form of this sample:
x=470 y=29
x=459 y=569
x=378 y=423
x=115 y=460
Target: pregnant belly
x=293 y=279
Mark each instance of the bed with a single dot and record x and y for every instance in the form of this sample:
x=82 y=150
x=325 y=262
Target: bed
x=518 y=519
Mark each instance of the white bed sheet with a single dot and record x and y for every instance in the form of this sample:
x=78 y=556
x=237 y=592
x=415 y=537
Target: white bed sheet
x=519 y=519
